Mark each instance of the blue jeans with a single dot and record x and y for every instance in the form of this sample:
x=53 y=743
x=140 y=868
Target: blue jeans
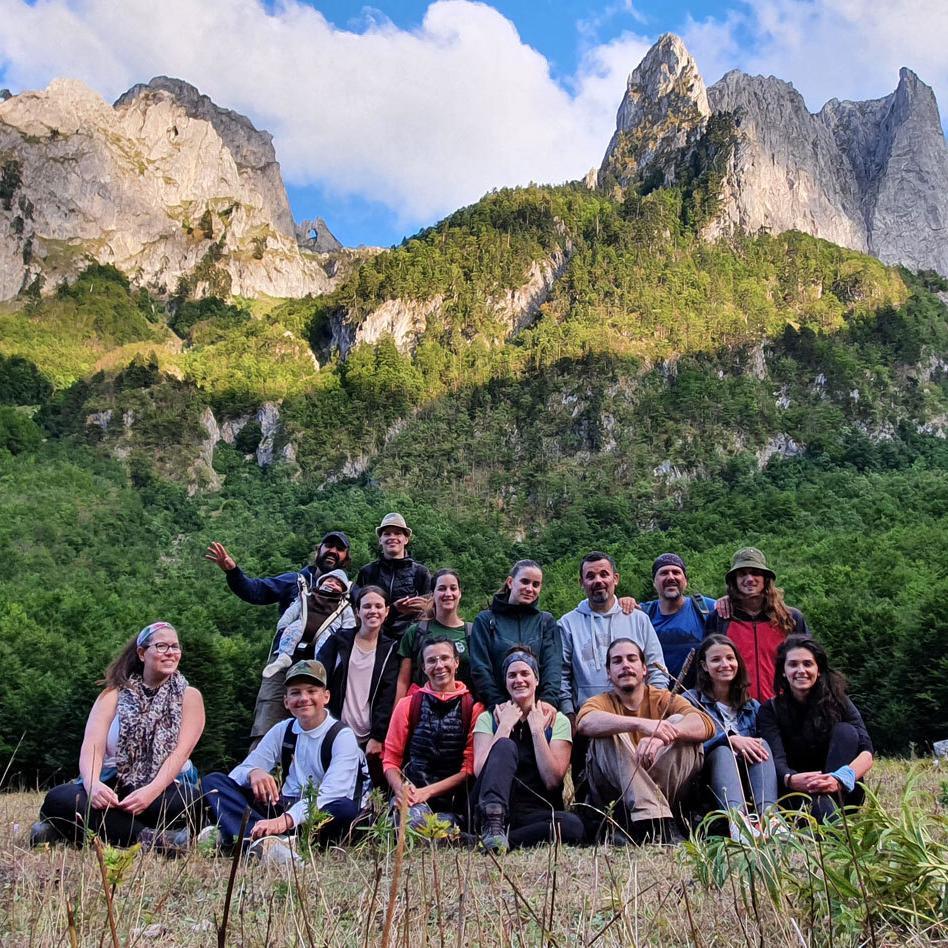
x=227 y=800
x=723 y=772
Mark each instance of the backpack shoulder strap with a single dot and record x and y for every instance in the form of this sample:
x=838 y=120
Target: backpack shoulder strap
x=325 y=750
x=467 y=712
x=287 y=748
x=649 y=608
x=414 y=712
x=467 y=629
x=700 y=605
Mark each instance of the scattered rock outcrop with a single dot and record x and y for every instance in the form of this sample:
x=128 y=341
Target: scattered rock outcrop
x=872 y=176
x=165 y=185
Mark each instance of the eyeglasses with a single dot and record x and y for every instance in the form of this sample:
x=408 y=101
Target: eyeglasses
x=164 y=648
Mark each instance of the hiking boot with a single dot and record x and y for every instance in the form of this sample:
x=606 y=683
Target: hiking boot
x=42 y=833
x=209 y=840
x=166 y=842
x=493 y=832
x=273 y=851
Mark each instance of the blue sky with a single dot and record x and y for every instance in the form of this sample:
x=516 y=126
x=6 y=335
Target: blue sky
x=387 y=117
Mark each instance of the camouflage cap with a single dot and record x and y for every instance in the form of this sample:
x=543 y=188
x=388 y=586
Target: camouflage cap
x=307 y=671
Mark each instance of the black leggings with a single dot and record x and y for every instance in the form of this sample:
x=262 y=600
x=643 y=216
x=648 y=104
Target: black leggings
x=843 y=750
x=530 y=825
x=67 y=808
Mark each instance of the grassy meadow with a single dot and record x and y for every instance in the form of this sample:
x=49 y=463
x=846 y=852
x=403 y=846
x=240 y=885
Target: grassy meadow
x=884 y=876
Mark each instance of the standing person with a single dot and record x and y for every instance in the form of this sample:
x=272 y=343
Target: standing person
x=736 y=756
x=405 y=582
x=679 y=620
x=446 y=621
x=312 y=749
x=136 y=776
x=362 y=665
x=820 y=744
x=332 y=553
x=645 y=747
x=513 y=618
x=759 y=619
x=284 y=590
x=429 y=748
x=520 y=764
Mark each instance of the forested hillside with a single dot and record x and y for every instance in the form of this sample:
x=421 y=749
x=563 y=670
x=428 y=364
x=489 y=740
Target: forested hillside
x=651 y=392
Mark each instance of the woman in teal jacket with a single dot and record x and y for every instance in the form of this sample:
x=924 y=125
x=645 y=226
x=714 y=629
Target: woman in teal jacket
x=514 y=619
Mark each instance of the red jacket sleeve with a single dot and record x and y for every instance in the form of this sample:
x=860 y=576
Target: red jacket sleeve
x=467 y=762
x=393 y=751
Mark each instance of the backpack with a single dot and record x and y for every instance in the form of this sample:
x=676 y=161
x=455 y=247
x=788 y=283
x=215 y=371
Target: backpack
x=650 y=608
x=288 y=749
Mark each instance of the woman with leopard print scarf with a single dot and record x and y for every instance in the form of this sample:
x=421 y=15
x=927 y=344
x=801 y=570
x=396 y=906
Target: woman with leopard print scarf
x=136 y=777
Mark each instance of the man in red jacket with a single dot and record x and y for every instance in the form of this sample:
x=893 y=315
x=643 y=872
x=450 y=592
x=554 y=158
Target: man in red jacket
x=756 y=618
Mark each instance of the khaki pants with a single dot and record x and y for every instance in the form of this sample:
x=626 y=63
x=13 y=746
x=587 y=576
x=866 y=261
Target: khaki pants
x=614 y=773
x=269 y=709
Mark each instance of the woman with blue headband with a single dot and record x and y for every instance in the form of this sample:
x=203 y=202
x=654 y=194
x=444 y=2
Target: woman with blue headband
x=136 y=777
x=520 y=763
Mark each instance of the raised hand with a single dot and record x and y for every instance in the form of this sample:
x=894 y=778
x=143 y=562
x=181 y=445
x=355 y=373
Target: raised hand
x=217 y=553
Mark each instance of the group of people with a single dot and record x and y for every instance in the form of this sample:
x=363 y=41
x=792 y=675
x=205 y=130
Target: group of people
x=660 y=711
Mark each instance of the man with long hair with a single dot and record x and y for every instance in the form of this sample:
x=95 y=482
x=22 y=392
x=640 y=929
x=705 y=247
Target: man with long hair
x=759 y=619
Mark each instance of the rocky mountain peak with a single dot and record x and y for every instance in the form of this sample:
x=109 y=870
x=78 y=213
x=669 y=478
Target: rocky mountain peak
x=663 y=111
x=869 y=175
x=165 y=185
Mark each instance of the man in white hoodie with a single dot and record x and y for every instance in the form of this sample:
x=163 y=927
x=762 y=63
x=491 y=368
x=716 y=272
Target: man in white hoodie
x=588 y=631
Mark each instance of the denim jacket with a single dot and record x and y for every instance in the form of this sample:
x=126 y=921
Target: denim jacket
x=746 y=717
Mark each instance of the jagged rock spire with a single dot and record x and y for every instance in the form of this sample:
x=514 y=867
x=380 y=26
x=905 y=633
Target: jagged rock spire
x=664 y=109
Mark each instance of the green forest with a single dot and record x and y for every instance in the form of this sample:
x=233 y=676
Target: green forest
x=667 y=394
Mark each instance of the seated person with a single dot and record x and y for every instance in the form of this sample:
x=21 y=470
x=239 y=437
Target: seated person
x=645 y=746
x=736 y=759
x=444 y=619
x=520 y=764
x=362 y=665
x=429 y=750
x=311 y=618
x=136 y=777
x=820 y=744
x=313 y=748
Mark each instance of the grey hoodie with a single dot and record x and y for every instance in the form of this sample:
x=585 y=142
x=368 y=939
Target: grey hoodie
x=587 y=635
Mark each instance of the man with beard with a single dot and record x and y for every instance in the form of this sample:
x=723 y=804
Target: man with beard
x=645 y=745
x=406 y=583
x=678 y=620
x=587 y=633
x=332 y=554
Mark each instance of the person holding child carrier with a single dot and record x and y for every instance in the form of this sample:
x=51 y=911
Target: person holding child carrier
x=319 y=761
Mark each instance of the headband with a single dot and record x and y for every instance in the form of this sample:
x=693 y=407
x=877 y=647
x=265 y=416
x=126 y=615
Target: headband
x=145 y=635
x=524 y=657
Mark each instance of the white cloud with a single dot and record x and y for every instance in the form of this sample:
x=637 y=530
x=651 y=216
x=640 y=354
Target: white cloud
x=844 y=49
x=422 y=121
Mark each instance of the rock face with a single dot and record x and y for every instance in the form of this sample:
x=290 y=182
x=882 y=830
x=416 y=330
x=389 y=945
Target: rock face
x=872 y=175
x=663 y=111
x=164 y=185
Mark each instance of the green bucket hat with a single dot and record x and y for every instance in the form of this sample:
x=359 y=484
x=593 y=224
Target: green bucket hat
x=750 y=558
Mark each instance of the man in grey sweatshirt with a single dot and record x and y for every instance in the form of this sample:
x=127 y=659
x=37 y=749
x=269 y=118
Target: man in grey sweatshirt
x=588 y=631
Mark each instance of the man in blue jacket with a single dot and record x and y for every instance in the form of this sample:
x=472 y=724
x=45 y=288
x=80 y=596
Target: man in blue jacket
x=282 y=589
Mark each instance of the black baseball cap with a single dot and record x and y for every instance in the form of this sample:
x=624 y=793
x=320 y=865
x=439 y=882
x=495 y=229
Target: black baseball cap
x=338 y=535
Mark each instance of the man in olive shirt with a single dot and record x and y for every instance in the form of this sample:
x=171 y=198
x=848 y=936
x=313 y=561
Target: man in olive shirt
x=645 y=745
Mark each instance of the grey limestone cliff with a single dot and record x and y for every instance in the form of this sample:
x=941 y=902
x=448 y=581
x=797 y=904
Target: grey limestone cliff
x=871 y=175
x=164 y=185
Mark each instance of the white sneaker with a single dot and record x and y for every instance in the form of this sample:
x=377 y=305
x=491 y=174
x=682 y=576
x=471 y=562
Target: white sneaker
x=273 y=851
x=281 y=662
